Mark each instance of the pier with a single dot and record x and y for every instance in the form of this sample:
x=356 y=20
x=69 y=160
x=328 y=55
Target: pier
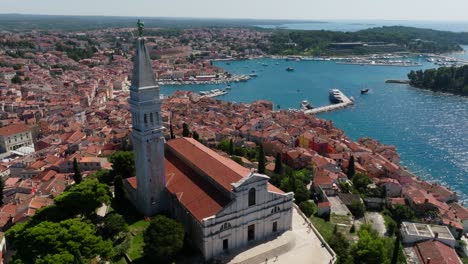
x=345 y=102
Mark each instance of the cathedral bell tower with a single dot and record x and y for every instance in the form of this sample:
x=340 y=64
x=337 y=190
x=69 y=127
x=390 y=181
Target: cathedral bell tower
x=147 y=134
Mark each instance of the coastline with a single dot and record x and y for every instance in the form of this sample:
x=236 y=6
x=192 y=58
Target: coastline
x=387 y=155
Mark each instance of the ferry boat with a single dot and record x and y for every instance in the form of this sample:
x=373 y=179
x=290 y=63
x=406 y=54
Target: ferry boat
x=335 y=96
x=289 y=69
x=305 y=105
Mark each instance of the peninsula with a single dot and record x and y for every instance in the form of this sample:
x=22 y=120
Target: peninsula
x=445 y=79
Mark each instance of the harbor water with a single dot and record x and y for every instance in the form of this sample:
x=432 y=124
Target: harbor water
x=429 y=130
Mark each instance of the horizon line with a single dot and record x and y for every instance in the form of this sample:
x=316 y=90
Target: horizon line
x=238 y=18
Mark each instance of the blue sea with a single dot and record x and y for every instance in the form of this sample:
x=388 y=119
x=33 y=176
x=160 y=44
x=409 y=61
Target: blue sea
x=429 y=130
x=356 y=25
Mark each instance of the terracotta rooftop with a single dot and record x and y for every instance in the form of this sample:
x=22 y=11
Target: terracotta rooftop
x=222 y=170
x=198 y=196
x=13 y=129
x=438 y=252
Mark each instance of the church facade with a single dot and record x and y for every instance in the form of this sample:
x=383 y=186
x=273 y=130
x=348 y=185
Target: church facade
x=222 y=205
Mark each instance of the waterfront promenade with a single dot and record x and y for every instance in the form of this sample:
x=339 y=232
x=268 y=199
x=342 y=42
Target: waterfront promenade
x=346 y=102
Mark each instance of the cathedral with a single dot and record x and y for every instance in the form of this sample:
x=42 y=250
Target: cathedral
x=222 y=205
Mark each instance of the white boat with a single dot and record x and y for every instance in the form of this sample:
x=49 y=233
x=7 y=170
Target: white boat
x=305 y=105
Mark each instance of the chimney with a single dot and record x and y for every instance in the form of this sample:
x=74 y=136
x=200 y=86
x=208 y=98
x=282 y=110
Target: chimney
x=426 y=200
x=428 y=261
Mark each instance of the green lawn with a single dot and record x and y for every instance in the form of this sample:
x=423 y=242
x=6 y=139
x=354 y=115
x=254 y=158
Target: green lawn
x=136 y=246
x=325 y=228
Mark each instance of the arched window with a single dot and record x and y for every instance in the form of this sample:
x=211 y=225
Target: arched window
x=252 y=197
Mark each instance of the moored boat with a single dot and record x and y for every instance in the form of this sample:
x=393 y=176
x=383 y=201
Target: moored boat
x=335 y=96
x=305 y=105
x=364 y=91
x=289 y=69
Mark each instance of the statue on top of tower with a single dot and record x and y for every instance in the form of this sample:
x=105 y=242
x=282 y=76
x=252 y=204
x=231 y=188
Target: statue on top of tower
x=140 y=26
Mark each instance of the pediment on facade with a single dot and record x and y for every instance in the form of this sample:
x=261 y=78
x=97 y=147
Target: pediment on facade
x=252 y=178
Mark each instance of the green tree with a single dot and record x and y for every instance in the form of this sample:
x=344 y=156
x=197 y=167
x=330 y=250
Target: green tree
x=172 y=131
x=196 y=136
x=278 y=164
x=223 y=145
x=402 y=213
x=164 y=238
x=360 y=182
x=231 y=147
x=350 y=171
x=185 y=130
x=301 y=193
x=114 y=225
x=83 y=198
x=2 y=186
x=103 y=176
x=77 y=173
x=16 y=79
x=339 y=243
x=370 y=248
x=261 y=160
x=119 y=191
x=49 y=242
x=357 y=208
x=123 y=163
x=308 y=207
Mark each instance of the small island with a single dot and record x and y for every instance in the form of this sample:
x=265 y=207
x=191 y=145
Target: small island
x=445 y=79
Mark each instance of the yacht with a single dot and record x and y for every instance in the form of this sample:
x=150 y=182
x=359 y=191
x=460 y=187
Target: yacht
x=305 y=105
x=335 y=96
x=364 y=91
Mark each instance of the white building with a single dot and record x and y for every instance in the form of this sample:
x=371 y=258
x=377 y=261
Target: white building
x=416 y=232
x=222 y=205
x=15 y=136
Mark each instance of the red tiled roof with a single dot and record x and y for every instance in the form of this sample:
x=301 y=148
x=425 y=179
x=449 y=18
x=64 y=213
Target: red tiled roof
x=13 y=129
x=222 y=170
x=133 y=182
x=438 y=252
x=198 y=196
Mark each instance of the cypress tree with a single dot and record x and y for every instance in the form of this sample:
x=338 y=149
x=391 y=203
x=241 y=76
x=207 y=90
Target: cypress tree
x=351 y=171
x=278 y=164
x=119 y=190
x=185 y=130
x=261 y=160
x=172 y=131
x=231 y=147
x=76 y=169
x=2 y=186
x=195 y=136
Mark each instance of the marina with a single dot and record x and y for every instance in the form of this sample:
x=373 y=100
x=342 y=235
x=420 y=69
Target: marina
x=395 y=114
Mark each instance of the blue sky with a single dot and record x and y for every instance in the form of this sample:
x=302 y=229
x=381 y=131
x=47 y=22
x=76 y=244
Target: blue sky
x=436 y=10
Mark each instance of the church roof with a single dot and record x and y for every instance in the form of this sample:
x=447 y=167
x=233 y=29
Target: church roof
x=143 y=75
x=222 y=170
x=198 y=196
x=202 y=196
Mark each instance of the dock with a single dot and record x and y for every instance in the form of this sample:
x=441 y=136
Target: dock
x=346 y=102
